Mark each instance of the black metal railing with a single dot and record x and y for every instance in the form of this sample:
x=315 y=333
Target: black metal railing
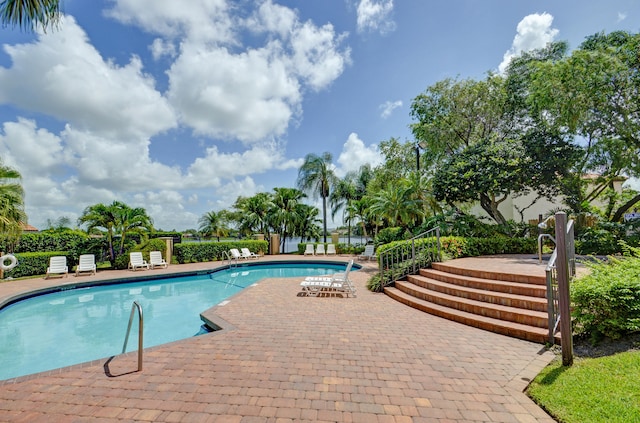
x=407 y=258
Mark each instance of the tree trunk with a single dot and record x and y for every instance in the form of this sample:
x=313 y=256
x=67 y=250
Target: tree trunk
x=491 y=207
x=626 y=206
x=324 y=217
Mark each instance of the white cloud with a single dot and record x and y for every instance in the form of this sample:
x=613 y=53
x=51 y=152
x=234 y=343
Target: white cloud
x=64 y=76
x=355 y=154
x=374 y=15
x=160 y=48
x=199 y=21
x=111 y=114
x=388 y=107
x=621 y=16
x=533 y=32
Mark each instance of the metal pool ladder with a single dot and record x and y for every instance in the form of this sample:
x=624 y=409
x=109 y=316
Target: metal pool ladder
x=135 y=306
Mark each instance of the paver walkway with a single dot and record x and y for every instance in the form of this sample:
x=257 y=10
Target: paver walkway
x=286 y=358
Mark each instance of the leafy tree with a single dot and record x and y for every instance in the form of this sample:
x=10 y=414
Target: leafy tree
x=316 y=177
x=30 y=14
x=487 y=172
x=11 y=203
x=213 y=224
x=594 y=95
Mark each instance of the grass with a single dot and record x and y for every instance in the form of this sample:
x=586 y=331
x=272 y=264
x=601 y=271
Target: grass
x=605 y=389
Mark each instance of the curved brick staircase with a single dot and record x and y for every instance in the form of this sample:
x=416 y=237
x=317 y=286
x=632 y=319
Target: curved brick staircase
x=507 y=303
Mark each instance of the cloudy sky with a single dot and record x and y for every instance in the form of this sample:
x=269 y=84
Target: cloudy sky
x=180 y=107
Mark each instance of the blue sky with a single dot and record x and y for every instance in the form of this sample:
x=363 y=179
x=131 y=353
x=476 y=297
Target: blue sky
x=180 y=107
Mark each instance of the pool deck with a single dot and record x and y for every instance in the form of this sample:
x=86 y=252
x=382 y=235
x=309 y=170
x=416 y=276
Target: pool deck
x=285 y=358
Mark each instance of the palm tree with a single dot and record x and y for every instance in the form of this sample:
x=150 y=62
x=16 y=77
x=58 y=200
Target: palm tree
x=213 y=224
x=132 y=221
x=116 y=219
x=316 y=177
x=29 y=14
x=344 y=192
x=254 y=212
x=284 y=215
x=102 y=216
x=396 y=204
x=308 y=226
x=11 y=203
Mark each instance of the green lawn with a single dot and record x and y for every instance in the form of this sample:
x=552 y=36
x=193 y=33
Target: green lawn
x=605 y=389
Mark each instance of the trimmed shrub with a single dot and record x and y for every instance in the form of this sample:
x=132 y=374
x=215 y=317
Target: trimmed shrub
x=32 y=264
x=606 y=303
x=195 y=252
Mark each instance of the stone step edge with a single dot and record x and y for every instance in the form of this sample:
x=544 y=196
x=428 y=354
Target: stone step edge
x=528 y=302
x=513 y=329
x=540 y=317
x=510 y=287
x=501 y=276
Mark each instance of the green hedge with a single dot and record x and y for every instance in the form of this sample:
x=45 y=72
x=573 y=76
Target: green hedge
x=31 y=264
x=606 y=302
x=340 y=248
x=154 y=244
x=195 y=252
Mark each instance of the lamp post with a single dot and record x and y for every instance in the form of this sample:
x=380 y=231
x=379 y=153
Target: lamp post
x=419 y=145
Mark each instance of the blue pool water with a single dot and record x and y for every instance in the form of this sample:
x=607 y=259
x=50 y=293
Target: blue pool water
x=77 y=325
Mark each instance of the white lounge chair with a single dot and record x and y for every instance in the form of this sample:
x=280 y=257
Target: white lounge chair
x=309 y=250
x=246 y=253
x=368 y=253
x=57 y=266
x=235 y=254
x=337 y=283
x=331 y=249
x=320 y=249
x=86 y=263
x=155 y=259
x=136 y=261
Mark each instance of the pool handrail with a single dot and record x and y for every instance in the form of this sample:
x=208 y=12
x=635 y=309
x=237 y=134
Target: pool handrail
x=135 y=306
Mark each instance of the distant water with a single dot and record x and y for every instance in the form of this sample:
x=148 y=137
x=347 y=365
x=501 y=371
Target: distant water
x=291 y=245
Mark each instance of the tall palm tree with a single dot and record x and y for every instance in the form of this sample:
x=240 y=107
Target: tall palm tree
x=11 y=203
x=316 y=177
x=344 y=192
x=30 y=14
x=213 y=224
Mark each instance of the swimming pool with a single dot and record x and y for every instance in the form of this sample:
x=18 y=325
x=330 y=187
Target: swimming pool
x=74 y=326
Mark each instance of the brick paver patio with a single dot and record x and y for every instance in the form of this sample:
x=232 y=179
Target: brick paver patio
x=284 y=358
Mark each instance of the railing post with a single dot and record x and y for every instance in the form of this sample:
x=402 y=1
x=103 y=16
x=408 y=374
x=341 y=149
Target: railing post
x=564 y=303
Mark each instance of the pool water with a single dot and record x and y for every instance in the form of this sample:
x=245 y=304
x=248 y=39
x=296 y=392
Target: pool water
x=79 y=325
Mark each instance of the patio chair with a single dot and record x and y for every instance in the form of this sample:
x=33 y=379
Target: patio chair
x=136 y=261
x=320 y=249
x=337 y=283
x=57 y=266
x=235 y=254
x=331 y=249
x=155 y=259
x=309 y=250
x=246 y=253
x=86 y=263
x=368 y=253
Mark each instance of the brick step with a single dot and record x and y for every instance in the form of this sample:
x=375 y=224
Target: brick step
x=487 y=274
x=508 y=287
x=495 y=311
x=513 y=329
